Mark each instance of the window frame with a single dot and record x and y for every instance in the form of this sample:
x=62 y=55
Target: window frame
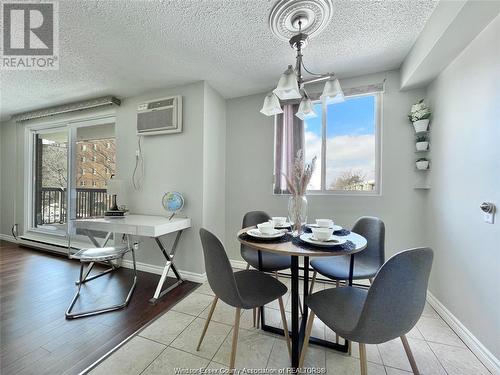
x=46 y=126
x=378 y=151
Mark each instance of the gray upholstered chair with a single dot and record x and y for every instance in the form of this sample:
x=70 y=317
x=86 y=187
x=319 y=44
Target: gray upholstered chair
x=389 y=309
x=243 y=290
x=366 y=263
x=270 y=262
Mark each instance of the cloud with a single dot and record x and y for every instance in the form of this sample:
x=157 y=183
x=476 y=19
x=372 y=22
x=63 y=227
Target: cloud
x=343 y=153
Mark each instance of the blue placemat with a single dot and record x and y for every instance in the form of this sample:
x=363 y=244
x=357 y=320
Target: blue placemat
x=246 y=237
x=347 y=246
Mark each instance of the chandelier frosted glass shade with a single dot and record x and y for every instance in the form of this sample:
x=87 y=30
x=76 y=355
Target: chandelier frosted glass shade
x=332 y=93
x=271 y=105
x=306 y=110
x=288 y=87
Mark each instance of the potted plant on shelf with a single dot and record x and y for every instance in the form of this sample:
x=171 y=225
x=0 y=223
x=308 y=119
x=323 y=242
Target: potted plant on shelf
x=422 y=143
x=422 y=163
x=419 y=115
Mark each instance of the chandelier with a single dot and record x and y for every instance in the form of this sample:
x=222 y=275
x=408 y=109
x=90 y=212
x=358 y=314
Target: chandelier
x=292 y=16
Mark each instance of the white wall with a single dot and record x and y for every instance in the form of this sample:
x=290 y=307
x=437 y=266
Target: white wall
x=173 y=162
x=191 y=162
x=465 y=141
x=214 y=162
x=250 y=170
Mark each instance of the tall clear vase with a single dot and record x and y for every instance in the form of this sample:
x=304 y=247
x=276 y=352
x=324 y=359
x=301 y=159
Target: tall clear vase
x=297 y=213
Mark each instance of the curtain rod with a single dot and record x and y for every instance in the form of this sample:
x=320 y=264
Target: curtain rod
x=67 y=108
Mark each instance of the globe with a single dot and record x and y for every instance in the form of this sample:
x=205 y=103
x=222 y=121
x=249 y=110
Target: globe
x=173 y=201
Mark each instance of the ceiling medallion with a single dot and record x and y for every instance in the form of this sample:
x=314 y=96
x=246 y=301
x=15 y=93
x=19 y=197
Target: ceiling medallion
x=313 y=14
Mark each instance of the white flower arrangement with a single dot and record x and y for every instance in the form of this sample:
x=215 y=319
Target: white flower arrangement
x=419 y=111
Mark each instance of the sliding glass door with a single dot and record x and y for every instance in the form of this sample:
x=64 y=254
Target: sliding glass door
x=70 y=166
x=50 y=180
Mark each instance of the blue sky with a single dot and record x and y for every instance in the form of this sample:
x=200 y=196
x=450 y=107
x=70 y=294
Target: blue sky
x=352 y=117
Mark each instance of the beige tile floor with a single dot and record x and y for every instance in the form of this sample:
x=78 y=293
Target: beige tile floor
x=170 y=342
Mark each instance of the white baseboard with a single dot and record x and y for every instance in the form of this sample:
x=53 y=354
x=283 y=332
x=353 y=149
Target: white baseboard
x=8 y=237
x=481 y=352
x=146 y=267
x=151 y=268
x=239 y=264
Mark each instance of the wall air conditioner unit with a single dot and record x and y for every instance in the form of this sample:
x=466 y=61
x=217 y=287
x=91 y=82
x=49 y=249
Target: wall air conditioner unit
x=160 y=116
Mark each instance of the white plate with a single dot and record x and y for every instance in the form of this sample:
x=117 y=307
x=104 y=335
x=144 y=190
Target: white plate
x=334 y=240
x=257 y=234
x=335 y=227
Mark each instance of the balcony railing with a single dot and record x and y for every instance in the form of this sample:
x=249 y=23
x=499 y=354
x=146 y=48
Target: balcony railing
x=89 y=202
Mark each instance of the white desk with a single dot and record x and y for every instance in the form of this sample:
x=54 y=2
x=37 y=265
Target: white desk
x=144 y=226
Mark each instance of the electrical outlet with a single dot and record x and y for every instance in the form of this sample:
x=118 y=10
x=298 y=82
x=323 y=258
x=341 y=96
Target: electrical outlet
x=489 y=217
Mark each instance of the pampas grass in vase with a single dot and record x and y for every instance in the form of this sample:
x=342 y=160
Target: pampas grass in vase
x=297 y=182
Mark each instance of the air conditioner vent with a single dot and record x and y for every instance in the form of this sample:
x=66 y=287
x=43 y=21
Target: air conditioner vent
x=161 y=116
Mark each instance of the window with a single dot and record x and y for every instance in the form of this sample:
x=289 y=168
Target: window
x=83 y=159
x=82 y=183
x=345 y=139
x=84 y=147
x=94 y=183
x=94 y=171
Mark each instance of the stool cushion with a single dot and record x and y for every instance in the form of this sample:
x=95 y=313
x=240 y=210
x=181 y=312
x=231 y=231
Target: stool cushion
x=97 y=254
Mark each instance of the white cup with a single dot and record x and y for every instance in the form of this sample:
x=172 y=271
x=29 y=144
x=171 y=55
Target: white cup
x=322 y=234
x=324 y=223
x=266 y=228
x=278 y=221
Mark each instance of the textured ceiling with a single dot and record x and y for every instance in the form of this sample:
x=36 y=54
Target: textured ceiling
x=128 y=47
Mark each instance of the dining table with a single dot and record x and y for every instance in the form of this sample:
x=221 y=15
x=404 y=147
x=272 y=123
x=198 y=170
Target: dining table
x=296 y=248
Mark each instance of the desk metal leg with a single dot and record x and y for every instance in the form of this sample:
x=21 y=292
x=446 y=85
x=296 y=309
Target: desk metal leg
x=169 y=265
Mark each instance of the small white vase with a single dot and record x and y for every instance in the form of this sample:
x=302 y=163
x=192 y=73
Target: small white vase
x=422 y=146
x=421 y=125
x=422 y=164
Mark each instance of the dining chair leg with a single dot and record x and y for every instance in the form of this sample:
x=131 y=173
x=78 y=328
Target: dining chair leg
x=337 y=285
x=409 y=354
x=313 y=280
x=309 y=327
x=362 y=359
x=258 y=317
x=254 y=316
x=248 y=266
x=209 y=317
x=349 y=348
x=285 y=326
x=235 y=338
